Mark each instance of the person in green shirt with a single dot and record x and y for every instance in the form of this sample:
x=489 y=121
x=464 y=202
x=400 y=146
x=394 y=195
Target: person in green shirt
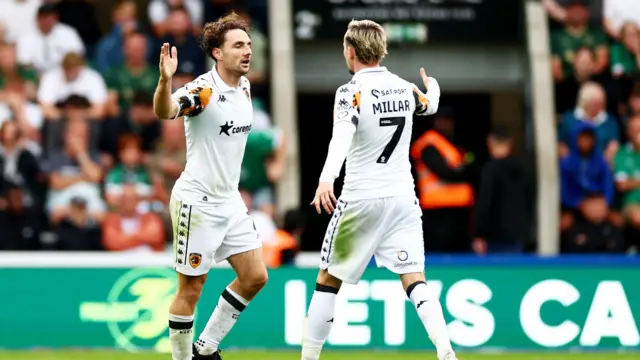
x=128 y=171
x=135 y=74
x=577 y=35
x=262 y=166
x=16 y=78
x=625 y=54
x=627 y=173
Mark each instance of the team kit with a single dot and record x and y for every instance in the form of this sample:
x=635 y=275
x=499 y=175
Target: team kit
x=377 y=214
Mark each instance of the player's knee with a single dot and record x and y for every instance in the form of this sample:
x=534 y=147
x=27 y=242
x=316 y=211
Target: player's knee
x=256 y=281
x=189 y=291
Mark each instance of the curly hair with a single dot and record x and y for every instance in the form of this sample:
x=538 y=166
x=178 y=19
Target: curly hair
x=213 y=34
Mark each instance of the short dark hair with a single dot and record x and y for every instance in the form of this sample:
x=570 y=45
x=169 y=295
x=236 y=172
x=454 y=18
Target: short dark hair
x=500 y=133
x=76 y=101
x=213 y=34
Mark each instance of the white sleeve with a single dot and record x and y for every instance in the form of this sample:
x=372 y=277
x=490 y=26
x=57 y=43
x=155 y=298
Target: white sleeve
x=427 y=104
x=23 y=53
x=346 y=115
x=47 y=91
x=98 y=94
x=73 y=41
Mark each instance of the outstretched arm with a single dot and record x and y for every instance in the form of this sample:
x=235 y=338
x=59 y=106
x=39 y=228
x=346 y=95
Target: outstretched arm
x=163 y=105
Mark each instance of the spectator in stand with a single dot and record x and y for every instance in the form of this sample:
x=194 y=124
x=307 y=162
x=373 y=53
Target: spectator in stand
x=625 y=62
x=627 y=173
x=557 y=10
x=45 y=48
x=179 y=34
x=74 y=108
x=128 y=171
x=590 y=110
x=74 y=177
x=109 y=50
x=625 y=54
x=18 y=86
x=14 y=77
x=263 y=165
x=17 y=17
x=592 y=232
x=82 y=16
x=618 y=12
x=583 y=171
x=78 y=229
x=566 y=43
x=632 y=107
x=130 y=230
x=502 y=200
x=140 y=120
x=19 y=231
x=159 y=14
x=19 y=165
x=72 y=78
x=135 y=74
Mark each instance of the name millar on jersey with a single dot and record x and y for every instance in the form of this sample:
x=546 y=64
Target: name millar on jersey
x=390 y=106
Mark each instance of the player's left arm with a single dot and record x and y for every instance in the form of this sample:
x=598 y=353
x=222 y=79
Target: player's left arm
x=427 y=103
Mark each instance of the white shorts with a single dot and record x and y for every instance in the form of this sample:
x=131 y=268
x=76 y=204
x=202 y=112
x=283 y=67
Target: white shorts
x=388 y=228
x=203 y=234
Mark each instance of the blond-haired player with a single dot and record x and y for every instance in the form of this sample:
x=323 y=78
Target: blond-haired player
x=377 y=213
x=211 y=222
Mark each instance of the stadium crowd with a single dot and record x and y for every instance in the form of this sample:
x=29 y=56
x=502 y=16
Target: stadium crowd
x=595 y=48
x=84 y=162
x=86 y=165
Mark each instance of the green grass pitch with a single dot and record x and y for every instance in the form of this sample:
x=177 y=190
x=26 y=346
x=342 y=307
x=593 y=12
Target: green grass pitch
x=329 y=355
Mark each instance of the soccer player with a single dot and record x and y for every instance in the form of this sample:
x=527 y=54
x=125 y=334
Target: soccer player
x=210 y=220
x=378 y=213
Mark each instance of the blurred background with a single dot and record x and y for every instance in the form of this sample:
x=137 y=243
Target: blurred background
x=539 y=165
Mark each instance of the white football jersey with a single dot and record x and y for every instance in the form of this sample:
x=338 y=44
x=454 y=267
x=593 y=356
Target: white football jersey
x=380 y=105
x=218 y=119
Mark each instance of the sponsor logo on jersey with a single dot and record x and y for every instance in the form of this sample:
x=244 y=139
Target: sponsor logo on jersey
x=228 y=129
x=222 y=98
x=386 y=92
x=344 y=89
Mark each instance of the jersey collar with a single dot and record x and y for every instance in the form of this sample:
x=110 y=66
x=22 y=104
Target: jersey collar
x=371 y=70
x=223 y=86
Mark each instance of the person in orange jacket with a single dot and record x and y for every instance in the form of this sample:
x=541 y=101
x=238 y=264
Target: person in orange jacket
x=444 y=187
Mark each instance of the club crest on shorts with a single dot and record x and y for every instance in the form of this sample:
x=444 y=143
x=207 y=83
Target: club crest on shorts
x=403 y=255
x=195 y=259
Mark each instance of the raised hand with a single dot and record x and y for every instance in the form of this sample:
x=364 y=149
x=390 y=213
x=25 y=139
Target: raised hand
x=168 y=61
x=425 y=78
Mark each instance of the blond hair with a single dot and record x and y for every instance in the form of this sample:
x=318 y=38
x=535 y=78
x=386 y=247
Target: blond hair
x=588 y=92
x=368 y=39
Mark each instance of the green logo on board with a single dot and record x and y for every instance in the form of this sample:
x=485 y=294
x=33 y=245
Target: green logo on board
x=137 y=308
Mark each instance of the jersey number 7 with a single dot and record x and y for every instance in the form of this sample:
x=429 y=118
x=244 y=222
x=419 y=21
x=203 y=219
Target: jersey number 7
x=388 y=150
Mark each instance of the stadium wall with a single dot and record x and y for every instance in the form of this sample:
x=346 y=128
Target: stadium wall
x=501 y=303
